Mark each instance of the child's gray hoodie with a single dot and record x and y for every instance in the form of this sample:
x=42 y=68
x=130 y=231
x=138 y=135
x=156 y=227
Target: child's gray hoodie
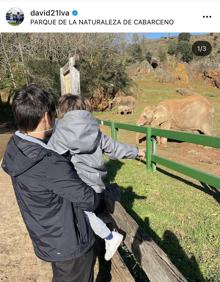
x=78 y=132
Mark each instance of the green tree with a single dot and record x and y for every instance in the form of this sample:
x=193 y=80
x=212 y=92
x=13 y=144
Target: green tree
x=38 y=58
x=162 y=54
x=148 y=56
x=184 y=50
x=135 y=53
x=184 y=36
x=172 y=47
x=135 y=38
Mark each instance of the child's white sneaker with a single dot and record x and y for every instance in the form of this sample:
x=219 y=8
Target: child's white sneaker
x=112 y=245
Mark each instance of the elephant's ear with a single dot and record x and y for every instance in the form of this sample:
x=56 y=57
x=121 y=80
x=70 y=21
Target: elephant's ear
x=161 y=115
x=149 y=114
x=149 y=109
x=146 y=116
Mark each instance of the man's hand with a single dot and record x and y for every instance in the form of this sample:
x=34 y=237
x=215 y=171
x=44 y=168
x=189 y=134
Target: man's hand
x=141 y=154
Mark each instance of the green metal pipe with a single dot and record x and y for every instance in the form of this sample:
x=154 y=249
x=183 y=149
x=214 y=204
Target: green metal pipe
x=152 y=159
x=148 y=149
x=189 y=171
x=211 y=141
x=113 y=131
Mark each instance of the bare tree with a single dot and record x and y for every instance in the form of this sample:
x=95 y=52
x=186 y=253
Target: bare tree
x=20 y=48
x=6 y=58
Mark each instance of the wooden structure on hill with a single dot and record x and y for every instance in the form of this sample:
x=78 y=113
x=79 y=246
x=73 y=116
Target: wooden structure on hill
x=70 y=77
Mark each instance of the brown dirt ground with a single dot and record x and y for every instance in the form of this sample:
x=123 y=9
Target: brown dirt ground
x=17 y=260
x=197 y=156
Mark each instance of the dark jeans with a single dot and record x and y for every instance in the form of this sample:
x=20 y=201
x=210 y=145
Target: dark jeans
x=77 y=270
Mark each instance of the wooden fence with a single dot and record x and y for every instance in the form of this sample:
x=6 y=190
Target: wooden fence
x=151 y=258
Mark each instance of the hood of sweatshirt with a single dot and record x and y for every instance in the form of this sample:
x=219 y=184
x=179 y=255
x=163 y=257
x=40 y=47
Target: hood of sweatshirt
x=22 y=154
x=78 y=132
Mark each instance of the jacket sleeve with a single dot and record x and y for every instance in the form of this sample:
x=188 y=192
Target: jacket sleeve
x=116 y=150
x=63 y=180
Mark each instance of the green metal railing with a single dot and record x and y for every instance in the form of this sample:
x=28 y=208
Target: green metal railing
x=152 y=158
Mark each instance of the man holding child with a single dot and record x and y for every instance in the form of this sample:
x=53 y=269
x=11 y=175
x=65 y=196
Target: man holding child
x=56 y=205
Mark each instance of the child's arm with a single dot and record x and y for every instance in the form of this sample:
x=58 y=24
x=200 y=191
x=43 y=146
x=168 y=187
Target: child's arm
x=116 y=150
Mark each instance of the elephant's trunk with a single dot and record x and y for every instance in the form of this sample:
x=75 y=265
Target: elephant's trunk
x=140 y=137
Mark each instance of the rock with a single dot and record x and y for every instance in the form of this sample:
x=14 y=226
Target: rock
x=182 y=75
x=99 y=101
x=213 y=76
x=185 y=91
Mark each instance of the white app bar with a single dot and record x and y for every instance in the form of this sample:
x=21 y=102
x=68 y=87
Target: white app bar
x=108 y=16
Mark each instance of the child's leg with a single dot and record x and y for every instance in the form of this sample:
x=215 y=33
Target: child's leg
x=98 y=226
x=112 y=239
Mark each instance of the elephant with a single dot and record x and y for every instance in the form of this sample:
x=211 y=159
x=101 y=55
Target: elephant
x=123 y=101
x=190 y=113
x=124 y=110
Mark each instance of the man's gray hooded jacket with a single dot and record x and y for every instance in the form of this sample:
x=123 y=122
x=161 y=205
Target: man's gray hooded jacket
x=78 y=132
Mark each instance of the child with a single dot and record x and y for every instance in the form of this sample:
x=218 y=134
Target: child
x=78 y=133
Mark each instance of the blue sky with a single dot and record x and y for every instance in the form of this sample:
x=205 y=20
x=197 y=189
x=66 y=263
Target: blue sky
x=159 y=35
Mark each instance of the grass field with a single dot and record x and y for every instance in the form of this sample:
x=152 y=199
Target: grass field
x=179 y=214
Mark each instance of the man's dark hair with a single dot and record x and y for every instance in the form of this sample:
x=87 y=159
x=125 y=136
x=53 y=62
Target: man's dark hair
x=29 y=104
